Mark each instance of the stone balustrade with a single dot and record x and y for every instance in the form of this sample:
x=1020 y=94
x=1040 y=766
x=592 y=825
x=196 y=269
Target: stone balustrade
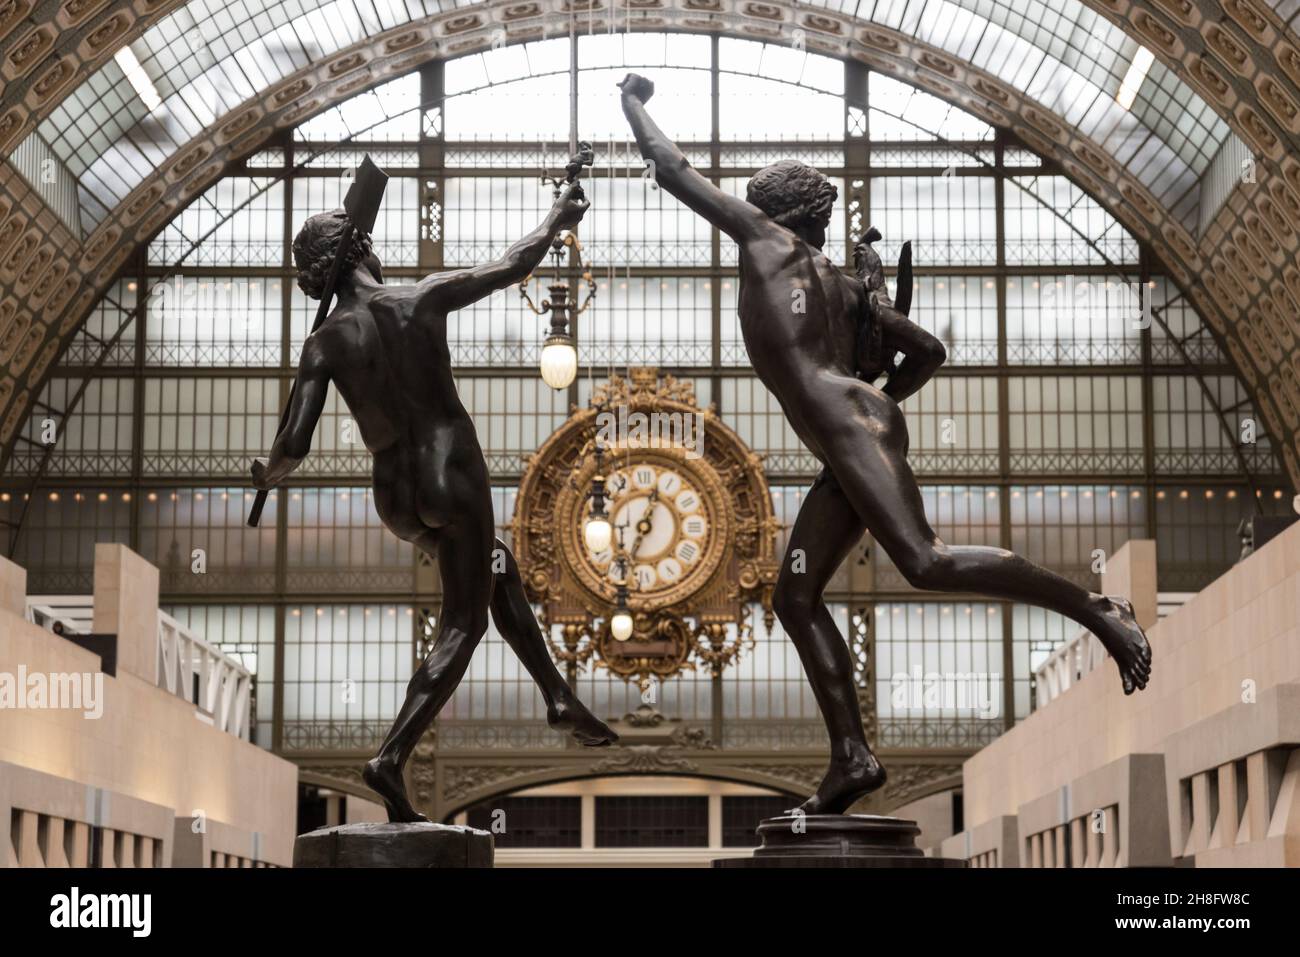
x=1233 y=788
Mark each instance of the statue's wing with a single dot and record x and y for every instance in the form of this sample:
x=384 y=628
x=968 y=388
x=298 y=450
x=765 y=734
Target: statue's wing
x=903 y=294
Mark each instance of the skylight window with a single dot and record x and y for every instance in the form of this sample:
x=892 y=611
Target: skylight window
x=1137 y=72
x=138 y=79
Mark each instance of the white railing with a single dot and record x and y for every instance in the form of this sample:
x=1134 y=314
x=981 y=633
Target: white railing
x=1066 y=665
x=62 y=614
x=219 y=687
x=216 y=684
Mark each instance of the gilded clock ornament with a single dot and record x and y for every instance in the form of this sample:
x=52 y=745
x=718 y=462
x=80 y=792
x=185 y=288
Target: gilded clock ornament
x=692 y=531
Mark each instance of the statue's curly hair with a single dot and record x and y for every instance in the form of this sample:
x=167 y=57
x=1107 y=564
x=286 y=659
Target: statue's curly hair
x=792 y=193
x=314 y=248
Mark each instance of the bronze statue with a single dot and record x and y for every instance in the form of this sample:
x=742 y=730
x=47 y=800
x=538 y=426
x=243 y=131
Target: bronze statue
x=803 y=321
x=385 y=349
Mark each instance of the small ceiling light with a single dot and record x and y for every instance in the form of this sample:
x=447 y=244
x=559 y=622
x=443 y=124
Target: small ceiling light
x=559 y=365
x=620 y=623
x=597 y=533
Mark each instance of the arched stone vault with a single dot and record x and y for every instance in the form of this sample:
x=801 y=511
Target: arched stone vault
x=1242 y=275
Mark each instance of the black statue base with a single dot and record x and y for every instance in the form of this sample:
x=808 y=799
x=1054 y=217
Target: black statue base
x=838 y=840
x=394 y=845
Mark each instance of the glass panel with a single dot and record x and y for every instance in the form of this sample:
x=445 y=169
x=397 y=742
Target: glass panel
x=337 y=545
x=1070 y=529
x=1067 y=320
x=214 y=321
x=938 y=673
x=950 y=220
x=345 y=673
x=199 y=540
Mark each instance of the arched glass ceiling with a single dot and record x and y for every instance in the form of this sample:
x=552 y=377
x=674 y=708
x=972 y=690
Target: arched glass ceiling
x=208 y=57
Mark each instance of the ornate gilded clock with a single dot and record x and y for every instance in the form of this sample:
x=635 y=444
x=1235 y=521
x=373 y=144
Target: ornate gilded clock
x=693 y=530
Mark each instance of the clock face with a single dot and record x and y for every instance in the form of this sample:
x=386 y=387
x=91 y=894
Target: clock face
x=662 y=523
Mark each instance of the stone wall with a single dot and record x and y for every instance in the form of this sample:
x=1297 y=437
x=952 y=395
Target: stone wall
x=1232 y=652
x=147 y=747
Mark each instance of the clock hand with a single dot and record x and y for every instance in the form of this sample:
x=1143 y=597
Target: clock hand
x=644 y=525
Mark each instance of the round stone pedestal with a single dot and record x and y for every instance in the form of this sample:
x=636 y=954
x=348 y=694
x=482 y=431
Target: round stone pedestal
x=394 y=845
x=838 y=840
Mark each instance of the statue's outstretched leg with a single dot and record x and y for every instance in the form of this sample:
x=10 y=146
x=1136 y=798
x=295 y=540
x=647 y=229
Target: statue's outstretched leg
x=866 y=448
x=515 y=620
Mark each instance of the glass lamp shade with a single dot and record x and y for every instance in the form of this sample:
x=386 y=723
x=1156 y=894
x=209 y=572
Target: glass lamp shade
x=559 y=362
x=597 y=533
x=620 y=625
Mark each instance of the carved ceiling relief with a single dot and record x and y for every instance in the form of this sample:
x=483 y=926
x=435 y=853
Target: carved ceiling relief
x=1263 y=109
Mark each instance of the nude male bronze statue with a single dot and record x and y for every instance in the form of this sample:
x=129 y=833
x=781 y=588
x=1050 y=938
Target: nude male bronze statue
x=800 y=316
x=385 y=349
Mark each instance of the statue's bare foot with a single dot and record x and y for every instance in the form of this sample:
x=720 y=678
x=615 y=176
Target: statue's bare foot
x=385 y=780
x=567 y=713
x=1124 y=639
x=845 y=782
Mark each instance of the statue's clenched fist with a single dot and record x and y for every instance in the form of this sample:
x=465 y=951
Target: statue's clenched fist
x=571 y=206
x=637 y=87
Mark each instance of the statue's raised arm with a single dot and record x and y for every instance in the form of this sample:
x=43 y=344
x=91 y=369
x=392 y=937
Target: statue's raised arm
x=448 y=291
x=671 y=169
